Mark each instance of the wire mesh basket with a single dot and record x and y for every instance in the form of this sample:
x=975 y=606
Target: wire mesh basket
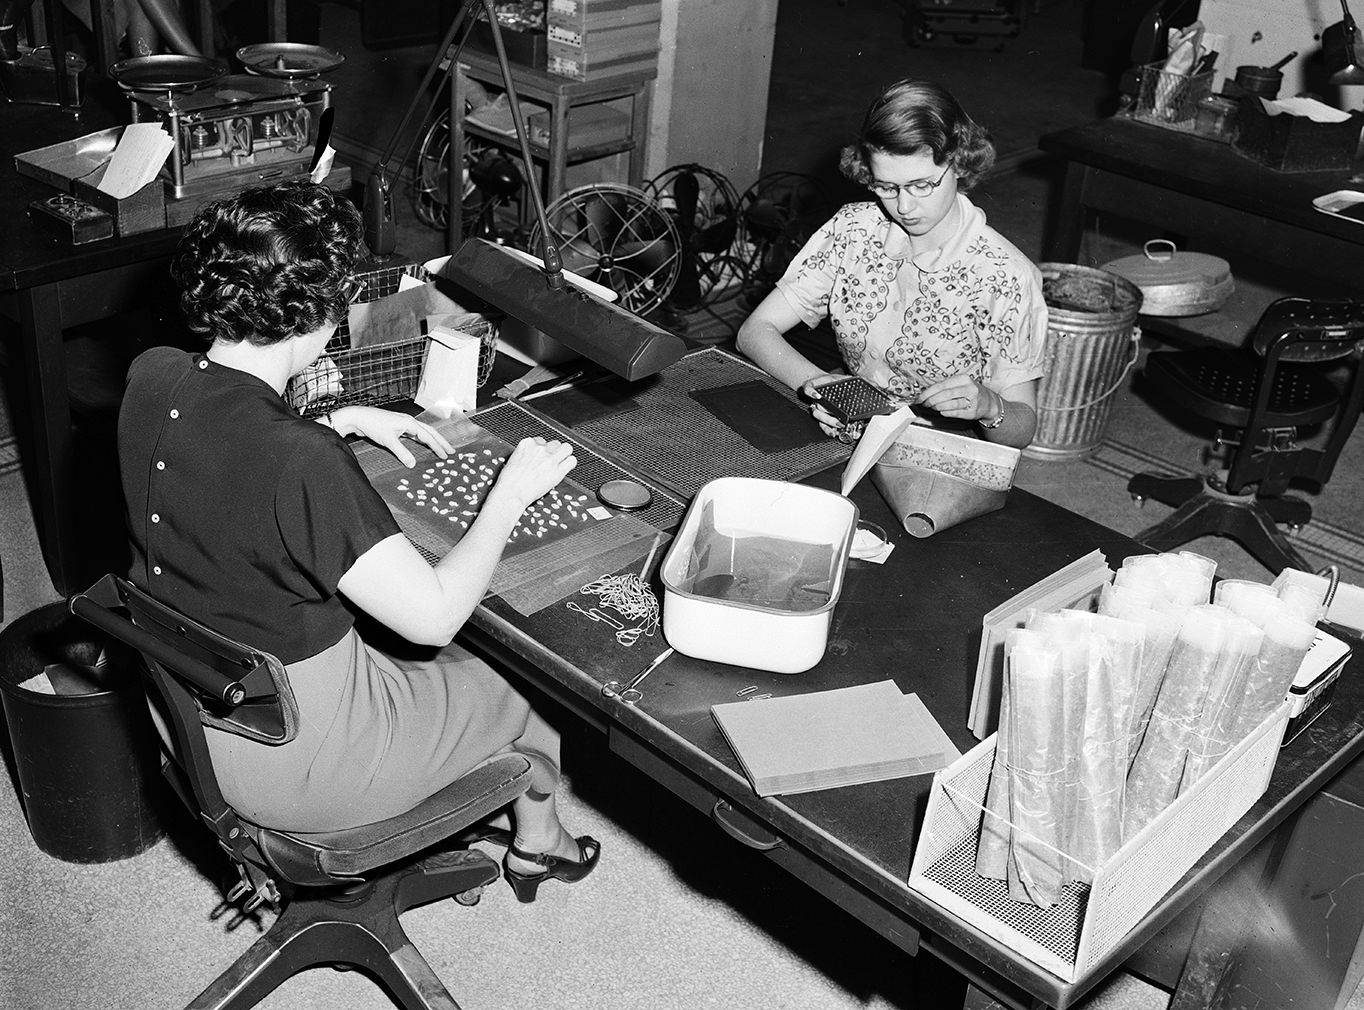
x=380 y=373
x=1171 y=100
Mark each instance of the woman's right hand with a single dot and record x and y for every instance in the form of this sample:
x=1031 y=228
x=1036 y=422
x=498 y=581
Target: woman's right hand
x=832 y=426
x=534 y=468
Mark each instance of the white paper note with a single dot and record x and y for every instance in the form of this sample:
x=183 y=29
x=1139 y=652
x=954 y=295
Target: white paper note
x=880 y=432
x=140 y=153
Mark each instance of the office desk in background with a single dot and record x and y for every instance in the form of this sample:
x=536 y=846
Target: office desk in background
x=48 y=286
x=1188 y=185
x=915 y=619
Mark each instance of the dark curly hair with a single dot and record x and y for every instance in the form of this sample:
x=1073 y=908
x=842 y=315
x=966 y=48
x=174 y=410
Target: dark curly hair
x=267 y=264
x=911 y=116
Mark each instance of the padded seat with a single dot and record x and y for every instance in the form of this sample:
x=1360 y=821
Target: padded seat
x=340 y=892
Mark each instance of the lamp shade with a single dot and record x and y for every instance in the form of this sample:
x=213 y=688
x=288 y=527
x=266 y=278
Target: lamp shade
x=613 y=337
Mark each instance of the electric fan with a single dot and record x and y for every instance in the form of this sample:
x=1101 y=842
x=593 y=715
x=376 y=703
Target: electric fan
x=775 y=211
x=705 y=206
x=490 y=179
x=619 y=237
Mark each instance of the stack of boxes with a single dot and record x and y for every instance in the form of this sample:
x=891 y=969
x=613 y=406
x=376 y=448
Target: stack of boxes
x=590 y=39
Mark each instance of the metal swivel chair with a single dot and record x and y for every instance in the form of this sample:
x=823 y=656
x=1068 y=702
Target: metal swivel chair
x=342 y=891
x=1261 y=397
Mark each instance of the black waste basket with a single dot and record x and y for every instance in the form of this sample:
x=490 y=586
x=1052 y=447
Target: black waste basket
x=86 y=763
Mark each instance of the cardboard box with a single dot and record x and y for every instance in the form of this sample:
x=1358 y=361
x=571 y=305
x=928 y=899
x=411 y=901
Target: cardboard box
x=1291 y=143
x=588 y=126
x=575 y=22
x=145 y=210
x=606 y=53
x=526 y=48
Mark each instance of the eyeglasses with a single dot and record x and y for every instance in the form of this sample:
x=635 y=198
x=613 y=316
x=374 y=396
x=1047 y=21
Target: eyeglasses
x=919 y=190
x=354 y=287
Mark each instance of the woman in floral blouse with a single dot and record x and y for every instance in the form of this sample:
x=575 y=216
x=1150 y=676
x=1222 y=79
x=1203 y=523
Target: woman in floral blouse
x=926 y=300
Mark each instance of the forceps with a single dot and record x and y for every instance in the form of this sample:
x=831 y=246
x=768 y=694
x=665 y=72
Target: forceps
x=631 y=693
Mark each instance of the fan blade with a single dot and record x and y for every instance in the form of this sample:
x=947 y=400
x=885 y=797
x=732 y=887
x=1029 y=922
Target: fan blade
x=718 y=237
x=604 y=216
x=686 y=192
x=579 y=257
x=686 y=292
x=648 y=258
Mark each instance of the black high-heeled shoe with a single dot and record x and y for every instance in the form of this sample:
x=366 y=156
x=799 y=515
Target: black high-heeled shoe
x=570 y=871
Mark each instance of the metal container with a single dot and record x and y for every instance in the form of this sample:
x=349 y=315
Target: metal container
x=1091 y=345
x=1175 y=283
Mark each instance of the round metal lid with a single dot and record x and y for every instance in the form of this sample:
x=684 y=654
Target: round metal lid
x=166 y=72
x=289 y=60
x=1160 y=263
x=626 y=495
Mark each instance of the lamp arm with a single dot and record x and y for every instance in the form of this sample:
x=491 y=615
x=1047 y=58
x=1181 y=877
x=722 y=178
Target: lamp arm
x=381 y=166
x=554 y=271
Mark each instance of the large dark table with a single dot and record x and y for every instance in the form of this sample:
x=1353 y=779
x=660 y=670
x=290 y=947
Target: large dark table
x=915 y=619
x=48 y=286
x=1202 y=189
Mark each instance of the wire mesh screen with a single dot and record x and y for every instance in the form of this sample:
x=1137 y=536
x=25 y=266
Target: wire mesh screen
x=673 y=431
x=381 y=373
x=512 y=422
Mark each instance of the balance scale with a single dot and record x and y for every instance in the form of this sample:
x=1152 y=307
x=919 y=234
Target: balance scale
x=232 y=131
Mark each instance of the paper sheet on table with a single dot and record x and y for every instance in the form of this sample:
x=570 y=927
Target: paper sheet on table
x=140 y=153
x=880 y=432
x=1308 y=108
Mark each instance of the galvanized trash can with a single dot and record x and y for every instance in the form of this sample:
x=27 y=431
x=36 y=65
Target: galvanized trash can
x=1092 y=341
x=81 y=741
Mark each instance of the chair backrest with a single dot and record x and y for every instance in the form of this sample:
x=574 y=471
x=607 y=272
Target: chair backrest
x=1299 y=332
x=198 y=678
x=1304 y=330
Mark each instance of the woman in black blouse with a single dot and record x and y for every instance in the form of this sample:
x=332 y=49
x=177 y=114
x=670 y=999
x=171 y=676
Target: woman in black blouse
x=261 y=524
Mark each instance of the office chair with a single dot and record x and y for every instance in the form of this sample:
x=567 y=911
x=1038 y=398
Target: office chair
x=1261 y=396
x=342 y=891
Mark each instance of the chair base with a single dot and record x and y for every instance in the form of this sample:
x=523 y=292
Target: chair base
x=1202 y=509
x=356 y=928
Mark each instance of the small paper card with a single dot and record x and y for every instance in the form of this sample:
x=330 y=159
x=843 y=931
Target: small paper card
x=140 y=153
x=449 y=379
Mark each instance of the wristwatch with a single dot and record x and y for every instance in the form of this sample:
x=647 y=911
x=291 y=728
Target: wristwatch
x=998 y=419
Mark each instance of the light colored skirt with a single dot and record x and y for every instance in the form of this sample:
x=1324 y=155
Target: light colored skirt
x=377 y=736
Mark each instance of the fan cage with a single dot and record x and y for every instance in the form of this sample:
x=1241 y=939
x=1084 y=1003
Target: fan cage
x=618 y=236
x=720 y=269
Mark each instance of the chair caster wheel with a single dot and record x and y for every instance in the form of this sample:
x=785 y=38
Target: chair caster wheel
x=470 y=897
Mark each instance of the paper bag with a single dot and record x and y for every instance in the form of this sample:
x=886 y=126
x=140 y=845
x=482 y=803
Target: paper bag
x=449 y=379
x=935 y=479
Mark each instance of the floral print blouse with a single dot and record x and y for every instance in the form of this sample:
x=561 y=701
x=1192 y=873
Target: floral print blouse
x=973 y=306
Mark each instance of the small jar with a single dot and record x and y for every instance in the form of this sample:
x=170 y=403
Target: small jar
x=1216 y=117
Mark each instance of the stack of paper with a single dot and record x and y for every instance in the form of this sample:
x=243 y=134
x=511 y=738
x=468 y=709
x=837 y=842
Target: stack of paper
x=1075 y=587
x=833 y=738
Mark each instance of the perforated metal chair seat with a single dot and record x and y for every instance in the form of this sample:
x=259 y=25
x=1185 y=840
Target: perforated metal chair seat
x=1221 y=387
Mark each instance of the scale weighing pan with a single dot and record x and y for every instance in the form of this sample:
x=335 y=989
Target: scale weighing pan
x=289 y=60
x=166 y=72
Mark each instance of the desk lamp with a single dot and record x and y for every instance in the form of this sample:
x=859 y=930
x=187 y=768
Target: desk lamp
x=607 y=334
x=1338 y=49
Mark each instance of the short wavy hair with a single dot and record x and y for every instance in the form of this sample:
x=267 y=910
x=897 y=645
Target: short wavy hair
x=267 y=264
x=912 y=116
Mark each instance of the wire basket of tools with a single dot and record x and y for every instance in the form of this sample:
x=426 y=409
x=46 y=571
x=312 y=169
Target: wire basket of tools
x=1170 y=99
x=378 y=351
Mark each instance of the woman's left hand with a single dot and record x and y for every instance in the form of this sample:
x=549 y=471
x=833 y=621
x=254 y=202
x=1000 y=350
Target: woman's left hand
x=962 y=397
x=388 y=428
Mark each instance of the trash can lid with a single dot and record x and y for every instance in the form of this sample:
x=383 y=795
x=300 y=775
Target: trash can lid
x=1174 y=282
